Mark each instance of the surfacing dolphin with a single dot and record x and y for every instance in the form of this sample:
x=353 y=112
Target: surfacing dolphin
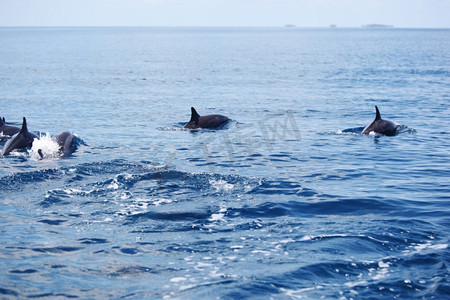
x=8 y=129
x=381 y=126
x=65 y=141
x=207 y=121
x=21 y=140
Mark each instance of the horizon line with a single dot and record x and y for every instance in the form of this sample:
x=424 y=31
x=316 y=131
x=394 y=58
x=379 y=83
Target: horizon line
x=286 y=26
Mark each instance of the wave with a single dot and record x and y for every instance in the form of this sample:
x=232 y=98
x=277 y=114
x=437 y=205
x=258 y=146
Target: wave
x=121 y=179
x=209 y=226
x=131 y=188
x=403 y=129
x=180 y=127
x=330 y=266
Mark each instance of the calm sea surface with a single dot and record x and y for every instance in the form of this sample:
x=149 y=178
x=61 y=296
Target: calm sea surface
x=287 y=201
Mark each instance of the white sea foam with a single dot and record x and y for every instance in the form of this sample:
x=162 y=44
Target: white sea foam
x=299 y=293
x=428 y=245
x=178 y=279
x=46 y=146
x=113 y=185
x=237 y=247
x=382 y=271
x=221 y=185
x=219 y=215
x=162 y=201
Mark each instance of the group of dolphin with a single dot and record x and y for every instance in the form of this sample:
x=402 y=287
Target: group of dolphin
x=22 y=138
x=378 y=126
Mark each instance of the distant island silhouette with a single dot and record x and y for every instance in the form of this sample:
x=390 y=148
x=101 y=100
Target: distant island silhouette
x=377 y=26
x=374 y=25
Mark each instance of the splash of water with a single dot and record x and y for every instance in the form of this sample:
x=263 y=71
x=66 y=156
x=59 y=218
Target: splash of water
x=44 y=147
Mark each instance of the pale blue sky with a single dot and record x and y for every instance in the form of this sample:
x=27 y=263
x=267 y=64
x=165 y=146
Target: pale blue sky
x=302 y=13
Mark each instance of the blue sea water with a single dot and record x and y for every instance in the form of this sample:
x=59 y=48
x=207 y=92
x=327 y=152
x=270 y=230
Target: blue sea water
x=287 y=201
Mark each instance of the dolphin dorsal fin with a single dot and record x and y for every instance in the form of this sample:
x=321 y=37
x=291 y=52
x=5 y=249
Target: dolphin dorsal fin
x=194 y=115
x=2 y=121
x=378 y=116
x=24 y=125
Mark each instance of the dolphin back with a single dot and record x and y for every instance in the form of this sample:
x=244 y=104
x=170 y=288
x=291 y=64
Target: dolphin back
x=17 y=142
x=21 y=140
x=7 y=129
x=212 y=121
x=207 y=121
x=381 y=126
x=65 y=141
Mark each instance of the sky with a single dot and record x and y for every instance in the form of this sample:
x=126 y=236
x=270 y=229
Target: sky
x=253 y=13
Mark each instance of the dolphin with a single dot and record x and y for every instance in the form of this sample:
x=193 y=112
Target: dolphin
x=65 y=141
x=207 y=121
x=8 y=129
x=22 y=139
x=66 y=145
x=381 y=126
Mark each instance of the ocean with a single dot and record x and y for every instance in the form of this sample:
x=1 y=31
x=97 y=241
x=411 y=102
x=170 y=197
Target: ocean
x=288 y=200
